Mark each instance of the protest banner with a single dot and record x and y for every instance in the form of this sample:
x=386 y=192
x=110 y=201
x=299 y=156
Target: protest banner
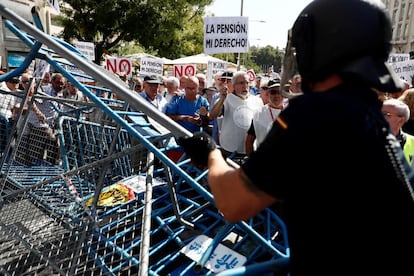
x=398 y=57
x=181 y=70
x=226 y=34
x=86 y=48
x=119 y=66
x=214 y=67
x=404 y=69
x=151 y=66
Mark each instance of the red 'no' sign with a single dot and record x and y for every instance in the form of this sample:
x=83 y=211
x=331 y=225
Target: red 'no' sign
x=119 y=65
x=252 y=75
x=125 y=66
x=184 y=70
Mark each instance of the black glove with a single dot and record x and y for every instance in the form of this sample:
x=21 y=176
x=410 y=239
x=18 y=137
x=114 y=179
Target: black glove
x=197 y=147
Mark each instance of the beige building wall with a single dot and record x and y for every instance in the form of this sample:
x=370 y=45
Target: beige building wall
x=10 y=44
x=401 y=13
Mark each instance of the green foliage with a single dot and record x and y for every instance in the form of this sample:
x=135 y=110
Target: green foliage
x=165 y=28
x=170 y=28
x=230 y=57
x=266 y=57
x=258 y=58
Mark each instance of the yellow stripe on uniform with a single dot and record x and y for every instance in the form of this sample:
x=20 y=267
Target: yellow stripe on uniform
x=281 y=122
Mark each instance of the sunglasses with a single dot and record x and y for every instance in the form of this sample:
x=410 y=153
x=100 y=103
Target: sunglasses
x=225 y=80
x=274 y=92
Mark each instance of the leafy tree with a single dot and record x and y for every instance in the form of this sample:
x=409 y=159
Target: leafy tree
x=258 y=58
x=166 y=27
x=266 y=57
x=246 y=60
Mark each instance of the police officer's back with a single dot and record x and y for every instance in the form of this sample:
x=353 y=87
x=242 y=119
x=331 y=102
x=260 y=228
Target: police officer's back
x=341 y=175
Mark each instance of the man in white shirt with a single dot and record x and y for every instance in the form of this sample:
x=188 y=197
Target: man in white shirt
x=263 y=120
x=150 y=93
x=173 y=88
x=7 y=100
x=238 y=109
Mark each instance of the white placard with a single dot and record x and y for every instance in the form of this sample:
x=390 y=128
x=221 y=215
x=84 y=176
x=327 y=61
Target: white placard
x=226 y=34
x=213 y=67
x=398 y=57
x=404 y=69
x=222 y=258
x=119 y=66
x=41 y=67
x=151 y=66
x=137 y=183
x=181 y=70
x=86 y=48
x=55 y=5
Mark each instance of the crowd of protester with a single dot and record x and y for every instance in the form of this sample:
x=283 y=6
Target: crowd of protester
x=236 y=112
x=228 y=106
x=227 y=110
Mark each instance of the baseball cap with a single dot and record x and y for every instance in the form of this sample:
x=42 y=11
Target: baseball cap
x=227 y=75
x=211 y=88
x=273 y=83
x=152 y=79
x=13 y=80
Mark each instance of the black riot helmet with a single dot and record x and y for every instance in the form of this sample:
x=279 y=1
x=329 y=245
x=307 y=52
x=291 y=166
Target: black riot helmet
x=347 y=37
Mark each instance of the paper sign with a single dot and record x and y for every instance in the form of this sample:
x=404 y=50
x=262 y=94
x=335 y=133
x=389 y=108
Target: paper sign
x=222 y=258
x=226 y=34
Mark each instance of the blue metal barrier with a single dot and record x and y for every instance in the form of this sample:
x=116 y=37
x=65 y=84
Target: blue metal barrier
x=91 y=214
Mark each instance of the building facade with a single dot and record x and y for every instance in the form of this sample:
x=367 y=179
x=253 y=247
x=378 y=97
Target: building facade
x=401 y=13
x=12 y=49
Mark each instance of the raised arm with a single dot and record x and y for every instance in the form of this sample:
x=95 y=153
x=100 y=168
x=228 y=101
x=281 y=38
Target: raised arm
x=217 y=108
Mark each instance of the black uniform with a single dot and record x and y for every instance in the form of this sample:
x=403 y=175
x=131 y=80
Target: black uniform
x=348 y=209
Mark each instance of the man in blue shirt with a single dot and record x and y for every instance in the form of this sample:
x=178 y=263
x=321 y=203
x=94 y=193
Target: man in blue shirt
x=189 y=109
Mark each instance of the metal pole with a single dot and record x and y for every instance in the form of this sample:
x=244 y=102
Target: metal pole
x=238 y=54
x=100 y=74
x=146 y=219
